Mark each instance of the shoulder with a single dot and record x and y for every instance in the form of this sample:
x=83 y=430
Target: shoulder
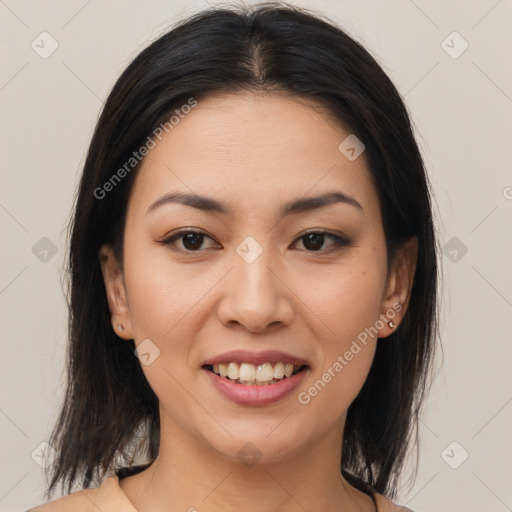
x=386 y=505
x=79 y=501
x=108 y=497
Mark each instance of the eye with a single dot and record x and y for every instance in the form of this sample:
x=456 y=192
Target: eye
x=191 y=241
x=314 y=240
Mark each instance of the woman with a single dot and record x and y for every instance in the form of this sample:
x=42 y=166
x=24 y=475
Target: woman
x=253 y=277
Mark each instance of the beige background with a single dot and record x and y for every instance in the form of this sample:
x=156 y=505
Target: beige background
x=461 y=108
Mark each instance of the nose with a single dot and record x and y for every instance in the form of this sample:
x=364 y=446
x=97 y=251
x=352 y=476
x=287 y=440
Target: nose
x=256 y=296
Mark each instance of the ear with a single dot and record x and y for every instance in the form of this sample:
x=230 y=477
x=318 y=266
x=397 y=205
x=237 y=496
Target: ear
x=397 y=291
x=116 y=292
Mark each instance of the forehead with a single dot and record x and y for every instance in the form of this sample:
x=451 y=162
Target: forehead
x=255 y=150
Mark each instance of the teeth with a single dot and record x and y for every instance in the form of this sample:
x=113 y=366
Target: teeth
x=233 y=371
x=223 y=370
x=247 y=373
x=279 y=371
x=263 y=374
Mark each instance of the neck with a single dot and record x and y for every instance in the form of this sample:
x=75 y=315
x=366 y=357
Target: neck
x=190 y=475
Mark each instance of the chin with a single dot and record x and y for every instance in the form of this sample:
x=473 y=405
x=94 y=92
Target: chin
x=258 y=444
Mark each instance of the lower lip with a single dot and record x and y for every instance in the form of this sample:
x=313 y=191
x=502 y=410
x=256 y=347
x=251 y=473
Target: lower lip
x=256 y=395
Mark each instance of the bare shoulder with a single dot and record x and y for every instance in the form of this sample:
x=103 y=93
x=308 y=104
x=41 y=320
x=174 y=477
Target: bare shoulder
x=386 y=505
x=79 y=501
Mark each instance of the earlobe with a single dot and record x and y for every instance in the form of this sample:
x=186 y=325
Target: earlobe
x=398 y=287
x=116 y=294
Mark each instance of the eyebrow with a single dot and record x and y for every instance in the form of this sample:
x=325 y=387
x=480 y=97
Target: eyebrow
x=301 y=205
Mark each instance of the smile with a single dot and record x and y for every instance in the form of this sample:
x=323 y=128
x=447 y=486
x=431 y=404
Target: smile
x=252 y=393
x=259 y=375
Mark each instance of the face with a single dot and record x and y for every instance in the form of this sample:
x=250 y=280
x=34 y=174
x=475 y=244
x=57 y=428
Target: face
x=255 y=276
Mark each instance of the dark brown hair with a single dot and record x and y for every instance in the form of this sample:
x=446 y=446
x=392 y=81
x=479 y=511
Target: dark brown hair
x=269 y=48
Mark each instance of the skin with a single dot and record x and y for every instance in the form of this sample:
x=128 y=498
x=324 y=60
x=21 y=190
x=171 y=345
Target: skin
x=196 y=305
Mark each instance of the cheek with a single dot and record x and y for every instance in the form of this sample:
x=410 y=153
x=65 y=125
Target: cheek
x=163 y=298
x=345 y=299
x=162 y=294
x=328 y=395
x=343 y=304
x=168 y=305
x=348 y=308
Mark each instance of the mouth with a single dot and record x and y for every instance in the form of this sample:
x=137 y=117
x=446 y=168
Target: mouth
x=247 y=374
x=255 y=379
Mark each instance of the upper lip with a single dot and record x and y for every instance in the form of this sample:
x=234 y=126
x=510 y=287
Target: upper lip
x=246 y=356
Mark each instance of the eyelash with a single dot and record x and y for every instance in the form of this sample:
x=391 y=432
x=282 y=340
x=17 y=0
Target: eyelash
x=340 y=241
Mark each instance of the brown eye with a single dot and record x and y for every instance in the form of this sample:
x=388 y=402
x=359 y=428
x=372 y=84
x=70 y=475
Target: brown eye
x=314 y=241
x=191 y=241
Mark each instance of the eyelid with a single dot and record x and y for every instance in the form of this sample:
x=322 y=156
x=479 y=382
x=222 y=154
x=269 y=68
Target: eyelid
x=323 y=231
